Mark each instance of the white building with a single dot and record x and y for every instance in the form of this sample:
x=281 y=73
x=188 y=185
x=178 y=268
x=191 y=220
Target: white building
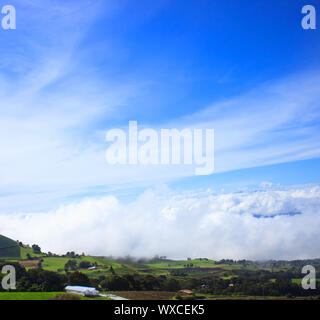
x=84 y=291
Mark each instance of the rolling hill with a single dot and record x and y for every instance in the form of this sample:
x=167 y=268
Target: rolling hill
x=9 y=248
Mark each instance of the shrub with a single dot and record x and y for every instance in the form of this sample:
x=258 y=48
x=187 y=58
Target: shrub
x=84 y=264
x=78 y=279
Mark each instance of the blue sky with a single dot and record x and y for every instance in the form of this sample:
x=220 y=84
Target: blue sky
x=73 y=70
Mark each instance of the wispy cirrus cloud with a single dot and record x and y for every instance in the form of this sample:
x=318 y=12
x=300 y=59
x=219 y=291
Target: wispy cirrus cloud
x=60 y=148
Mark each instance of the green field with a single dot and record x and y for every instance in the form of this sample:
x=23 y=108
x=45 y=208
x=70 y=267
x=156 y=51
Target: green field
x=58 y=263
x=28 y=250
x=38 y=296
x=156 y=267
x=196 y=263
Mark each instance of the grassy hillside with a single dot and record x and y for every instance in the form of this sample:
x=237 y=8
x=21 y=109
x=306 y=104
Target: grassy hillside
x=28 y=250
x=195 y=267
x=9 y=248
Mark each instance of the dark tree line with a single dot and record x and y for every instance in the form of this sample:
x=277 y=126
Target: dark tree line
x=39 y=280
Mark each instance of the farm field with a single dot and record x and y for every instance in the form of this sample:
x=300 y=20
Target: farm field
x=39 y=296
x=182 y=263
x=180 y=268
x=144 y=295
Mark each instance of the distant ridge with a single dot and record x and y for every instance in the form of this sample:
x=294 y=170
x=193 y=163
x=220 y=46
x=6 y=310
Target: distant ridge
x=9 y=248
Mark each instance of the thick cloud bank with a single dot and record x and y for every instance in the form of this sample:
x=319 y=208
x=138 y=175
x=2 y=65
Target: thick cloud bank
x=263 y=224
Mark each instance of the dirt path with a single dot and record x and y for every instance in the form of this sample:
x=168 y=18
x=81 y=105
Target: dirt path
x=112 y=296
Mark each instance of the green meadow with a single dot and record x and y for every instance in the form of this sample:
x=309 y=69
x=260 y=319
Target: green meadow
x=40 y=296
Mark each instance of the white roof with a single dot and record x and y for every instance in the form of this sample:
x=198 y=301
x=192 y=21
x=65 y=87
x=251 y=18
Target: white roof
x=80 y=288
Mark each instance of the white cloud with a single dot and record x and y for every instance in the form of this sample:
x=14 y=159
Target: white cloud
x=55 y=108
x=181 y=225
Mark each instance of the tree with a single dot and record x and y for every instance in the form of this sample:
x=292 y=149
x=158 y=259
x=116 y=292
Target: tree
x=39 y=280
x=112 y=271
x=40 y=264
x=150 y=282
x=78 y=279
x=172 y=285
x=71 y=254
x=71 y=265
x=115 y=283
x=84 y=264
x=36 y=249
